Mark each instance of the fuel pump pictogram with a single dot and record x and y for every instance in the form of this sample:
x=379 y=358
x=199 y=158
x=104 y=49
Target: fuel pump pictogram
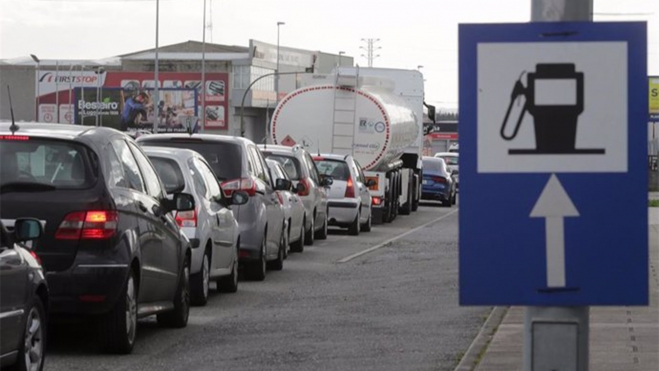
x=555 y=116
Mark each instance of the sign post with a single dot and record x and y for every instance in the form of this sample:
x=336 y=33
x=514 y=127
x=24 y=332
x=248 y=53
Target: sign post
x=553 y=211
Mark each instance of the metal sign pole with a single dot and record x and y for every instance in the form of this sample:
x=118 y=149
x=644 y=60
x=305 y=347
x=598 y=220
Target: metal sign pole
x=556 y=338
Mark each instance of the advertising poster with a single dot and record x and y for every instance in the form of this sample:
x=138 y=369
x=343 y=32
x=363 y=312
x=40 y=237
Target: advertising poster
x=181 y=93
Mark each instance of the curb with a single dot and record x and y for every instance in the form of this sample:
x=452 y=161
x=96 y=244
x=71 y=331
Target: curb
x=479 y=345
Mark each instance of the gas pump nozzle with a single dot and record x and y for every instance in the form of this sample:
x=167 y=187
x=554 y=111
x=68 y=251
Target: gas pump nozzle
x=518 y=90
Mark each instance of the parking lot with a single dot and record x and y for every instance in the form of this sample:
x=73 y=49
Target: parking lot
x=392 y=308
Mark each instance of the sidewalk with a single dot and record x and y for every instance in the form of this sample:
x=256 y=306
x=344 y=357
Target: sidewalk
x=621 y=338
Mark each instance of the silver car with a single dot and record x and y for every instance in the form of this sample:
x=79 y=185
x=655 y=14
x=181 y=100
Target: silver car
x=293 y=208
x=210 y=226
x=349 y=198
x=452 y=160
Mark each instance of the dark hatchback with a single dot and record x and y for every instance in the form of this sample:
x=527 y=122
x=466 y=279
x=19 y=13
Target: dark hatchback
x=110 y=247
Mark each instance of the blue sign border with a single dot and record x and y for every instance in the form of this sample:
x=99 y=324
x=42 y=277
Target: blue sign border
x=502 y=249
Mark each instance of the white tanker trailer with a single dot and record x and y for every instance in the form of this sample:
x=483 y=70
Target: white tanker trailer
x=374 y=114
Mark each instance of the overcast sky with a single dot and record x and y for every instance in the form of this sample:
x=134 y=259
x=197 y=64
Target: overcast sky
x=411 y=32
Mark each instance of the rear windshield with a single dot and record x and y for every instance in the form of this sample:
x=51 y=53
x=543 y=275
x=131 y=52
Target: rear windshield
x=433 y=164
x=450 y=160
x=48 y=162
x=290 y=164
x=170 y=174
x=225 y=158
x=338 y=170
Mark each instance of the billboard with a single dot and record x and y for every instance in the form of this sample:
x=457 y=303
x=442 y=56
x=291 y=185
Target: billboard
x=654 y=98
x=58 y=102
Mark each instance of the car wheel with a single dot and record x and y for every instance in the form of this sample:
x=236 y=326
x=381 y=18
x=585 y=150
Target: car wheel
x=230 y=283
x=309 y=234
x=256 y=270
x=298 y=246
x=200 y=282
x=120 y=325
x=322 y=233
x=449 y=202
x=278 y=264
x=366 y=227
x=353 y=229
x=178 y=317
x=31 y=353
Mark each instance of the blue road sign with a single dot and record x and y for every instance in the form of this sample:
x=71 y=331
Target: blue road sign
x=553 y=142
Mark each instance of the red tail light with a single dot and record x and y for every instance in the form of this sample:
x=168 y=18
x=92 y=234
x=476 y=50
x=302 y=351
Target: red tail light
x=186 y=218
x=88 y=225
x=376 y=201
x=244 y=184
x=306 y=187
x=350 y=188
x=438 y=179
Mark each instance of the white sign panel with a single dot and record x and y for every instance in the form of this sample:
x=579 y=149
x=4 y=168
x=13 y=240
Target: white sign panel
x=552 y=107
x=50 y=81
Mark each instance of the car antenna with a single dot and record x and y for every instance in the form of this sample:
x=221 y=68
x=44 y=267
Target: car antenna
x=14 y=128
x=318 y=142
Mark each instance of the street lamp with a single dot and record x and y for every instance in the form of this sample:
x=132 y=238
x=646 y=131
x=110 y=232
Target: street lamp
x=38 y=62
x=277 y=69
x=99 y=71
x=203 y=73
x=156 y=92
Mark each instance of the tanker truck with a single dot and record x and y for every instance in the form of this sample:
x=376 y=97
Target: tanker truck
x=373 y=114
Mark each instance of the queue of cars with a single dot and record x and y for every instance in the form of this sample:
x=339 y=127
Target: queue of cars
x=120 y=229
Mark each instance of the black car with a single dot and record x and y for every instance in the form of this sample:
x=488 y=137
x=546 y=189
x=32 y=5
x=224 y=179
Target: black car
x=23 y=298
x=110 y=246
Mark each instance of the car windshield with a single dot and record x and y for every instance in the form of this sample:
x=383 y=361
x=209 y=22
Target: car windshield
x=224 y=158
x=338 y=170
x=290 y=164
x=434 y=165
x=450 y=160
x=170 y=174
x=51 y=163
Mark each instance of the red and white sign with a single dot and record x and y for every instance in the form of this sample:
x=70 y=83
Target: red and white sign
x=50 y=81
x=444 y=136
x=48 y=113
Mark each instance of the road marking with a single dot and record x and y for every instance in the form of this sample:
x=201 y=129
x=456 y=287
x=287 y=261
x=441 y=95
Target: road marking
x=387 y=242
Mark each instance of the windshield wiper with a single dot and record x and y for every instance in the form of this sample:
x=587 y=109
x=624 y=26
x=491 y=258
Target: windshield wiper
x=26 y=187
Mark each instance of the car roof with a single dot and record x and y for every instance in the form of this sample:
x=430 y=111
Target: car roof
x=169 y=152
x=199 y=137
x=279 y=148
x=57 y=131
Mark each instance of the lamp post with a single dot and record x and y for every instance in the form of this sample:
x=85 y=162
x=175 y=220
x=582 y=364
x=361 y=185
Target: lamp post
x=99 y=71
x=38 y=62
x=156 y=92
x=277 y=69
x=203 y=73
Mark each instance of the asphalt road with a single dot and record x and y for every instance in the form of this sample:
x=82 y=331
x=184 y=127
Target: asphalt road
x=394 y=308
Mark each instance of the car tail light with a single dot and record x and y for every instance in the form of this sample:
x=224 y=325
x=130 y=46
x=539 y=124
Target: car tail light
x=306 y=187
x=244 y=184
x=93 y=225
x=376 y=201
x=186 y=218
x=14 y=137
x=438 y=179
x=350 y=188
x=36 y=257
x=318 y=158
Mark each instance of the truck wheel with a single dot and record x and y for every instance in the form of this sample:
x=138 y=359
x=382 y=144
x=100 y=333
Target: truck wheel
x=407 y=208
x=353 y=229
x=178 y=318
x=120 y=325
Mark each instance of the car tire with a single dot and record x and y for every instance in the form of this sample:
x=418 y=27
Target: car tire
x=256 y=270
x=298 y=246
x=321 y=234
x=366 y=227
x=229 y=284
x=34 y=337
x=353 y=228
x=448 y=203
x=278 y=264
x=200 y=282
x=309 y=235
x=120 y=325
x=178 y=318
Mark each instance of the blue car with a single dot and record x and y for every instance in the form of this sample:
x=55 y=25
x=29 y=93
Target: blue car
x=438 y=182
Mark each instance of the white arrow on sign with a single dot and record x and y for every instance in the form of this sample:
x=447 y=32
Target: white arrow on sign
x=554 y=204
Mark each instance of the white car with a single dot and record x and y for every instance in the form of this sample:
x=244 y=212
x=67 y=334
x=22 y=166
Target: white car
x=211 y=226
x=452 y=160
x=349 y=197
x=292 y=205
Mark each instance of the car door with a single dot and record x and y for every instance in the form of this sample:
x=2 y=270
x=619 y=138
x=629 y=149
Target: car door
x=273 y=208
x=320 y=192
x=364 y=193
x=293 y=200
x=221 y=218
x=13 y=291
x=163 y=226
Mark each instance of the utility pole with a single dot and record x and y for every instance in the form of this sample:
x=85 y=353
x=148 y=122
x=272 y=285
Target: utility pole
x=370 y=50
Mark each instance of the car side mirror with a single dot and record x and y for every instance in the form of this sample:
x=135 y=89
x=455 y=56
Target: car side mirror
x=370 y=183
x=283 y=185
x=179 y=202
x=455 y=172
x=299 y=188
x=326 y=181
x=27 y=229
x=239 y=198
